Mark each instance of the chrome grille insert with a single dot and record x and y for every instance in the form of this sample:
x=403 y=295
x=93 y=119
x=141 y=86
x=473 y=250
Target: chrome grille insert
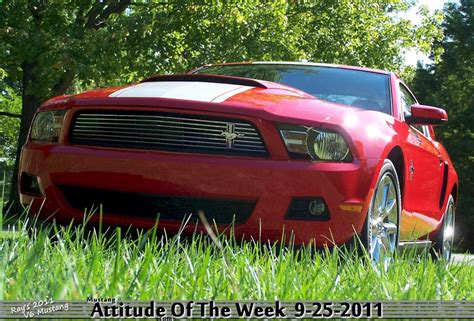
x=166 y=131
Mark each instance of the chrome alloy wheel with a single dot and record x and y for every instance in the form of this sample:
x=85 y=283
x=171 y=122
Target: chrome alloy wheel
x=448 y=230
x=383 y=218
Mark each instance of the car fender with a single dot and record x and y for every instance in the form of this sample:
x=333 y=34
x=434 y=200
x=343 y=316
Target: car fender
x=450 y=184
x=370 y=134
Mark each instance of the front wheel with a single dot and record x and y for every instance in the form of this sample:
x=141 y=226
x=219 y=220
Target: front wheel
x=381 y=229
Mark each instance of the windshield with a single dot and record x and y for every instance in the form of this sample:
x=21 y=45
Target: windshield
x=368 y=90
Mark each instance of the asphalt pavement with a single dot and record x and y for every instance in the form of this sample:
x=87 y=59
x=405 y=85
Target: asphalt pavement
x=459 y=258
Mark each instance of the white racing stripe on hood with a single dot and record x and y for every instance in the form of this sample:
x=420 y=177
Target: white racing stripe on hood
x=188 y=90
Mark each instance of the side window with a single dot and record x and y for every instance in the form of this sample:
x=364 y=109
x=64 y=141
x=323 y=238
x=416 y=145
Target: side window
x=407 y=100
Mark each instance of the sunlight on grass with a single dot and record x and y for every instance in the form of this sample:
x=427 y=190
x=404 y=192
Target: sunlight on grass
x=75 y=262
x=72 y=262
x=8 y=234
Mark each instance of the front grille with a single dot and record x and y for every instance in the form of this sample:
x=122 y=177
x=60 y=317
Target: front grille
x=150 y=206
x=166 y=131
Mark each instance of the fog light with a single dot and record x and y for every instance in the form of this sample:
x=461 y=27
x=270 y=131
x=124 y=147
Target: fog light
x=317 y=207
x=308 y=208
x=29 y=185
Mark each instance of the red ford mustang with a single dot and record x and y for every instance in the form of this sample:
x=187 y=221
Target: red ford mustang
x=320 y=151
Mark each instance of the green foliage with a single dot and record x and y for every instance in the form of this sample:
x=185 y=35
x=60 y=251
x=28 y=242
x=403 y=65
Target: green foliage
x=450 y=84
x=99 y=44
x=50 y=48
x=10 y=103
x=72 y=263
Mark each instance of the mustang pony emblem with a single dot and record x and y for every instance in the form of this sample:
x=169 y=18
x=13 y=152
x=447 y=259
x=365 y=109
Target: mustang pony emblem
x=230 y=134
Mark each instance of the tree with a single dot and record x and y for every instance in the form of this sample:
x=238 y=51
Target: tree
x=450 y=84
x=43 y=47
x=54 y=47
x=10 y=108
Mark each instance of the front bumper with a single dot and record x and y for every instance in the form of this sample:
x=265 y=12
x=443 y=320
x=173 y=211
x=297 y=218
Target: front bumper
x=270 y=184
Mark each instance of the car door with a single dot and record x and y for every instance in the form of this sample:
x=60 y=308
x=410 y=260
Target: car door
x=425 y=166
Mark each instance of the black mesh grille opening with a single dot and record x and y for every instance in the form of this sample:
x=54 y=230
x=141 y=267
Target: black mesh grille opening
x=149 y=206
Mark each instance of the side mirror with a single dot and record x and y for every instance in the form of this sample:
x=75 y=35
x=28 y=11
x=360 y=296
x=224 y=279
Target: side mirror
x=426 y=115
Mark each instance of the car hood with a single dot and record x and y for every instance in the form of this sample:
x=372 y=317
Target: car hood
x=263 y=99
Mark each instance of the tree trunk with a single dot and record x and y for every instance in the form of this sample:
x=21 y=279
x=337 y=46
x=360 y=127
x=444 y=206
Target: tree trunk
x=30 y=104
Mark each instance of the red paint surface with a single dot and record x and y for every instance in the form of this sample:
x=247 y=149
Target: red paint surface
x=272 y=182
x=423 y=111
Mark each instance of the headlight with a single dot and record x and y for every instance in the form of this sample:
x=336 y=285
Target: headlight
x=47 y=125
x=306 y=142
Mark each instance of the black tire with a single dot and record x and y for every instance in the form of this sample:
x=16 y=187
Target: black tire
x=443 y=241
x=391 y=223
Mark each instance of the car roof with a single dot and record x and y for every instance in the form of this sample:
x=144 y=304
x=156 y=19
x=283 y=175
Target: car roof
x=301 y=63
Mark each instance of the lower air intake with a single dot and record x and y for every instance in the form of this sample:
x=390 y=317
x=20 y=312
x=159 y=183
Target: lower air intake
x=149 y=206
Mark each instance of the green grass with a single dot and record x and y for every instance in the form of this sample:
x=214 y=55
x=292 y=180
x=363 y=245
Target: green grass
x=74 y=263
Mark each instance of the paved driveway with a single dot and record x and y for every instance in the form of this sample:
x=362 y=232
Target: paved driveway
x=469 y=258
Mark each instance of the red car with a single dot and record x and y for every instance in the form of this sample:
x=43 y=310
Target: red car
x=322 y=152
